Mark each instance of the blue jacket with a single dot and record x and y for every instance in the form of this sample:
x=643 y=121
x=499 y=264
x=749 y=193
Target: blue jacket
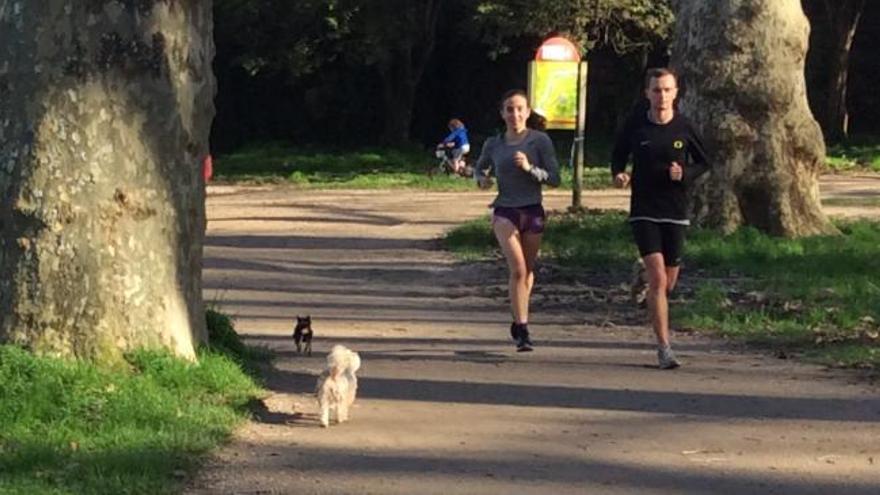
x=458 y=137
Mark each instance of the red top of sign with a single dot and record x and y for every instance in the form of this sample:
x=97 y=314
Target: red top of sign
x=558 y=49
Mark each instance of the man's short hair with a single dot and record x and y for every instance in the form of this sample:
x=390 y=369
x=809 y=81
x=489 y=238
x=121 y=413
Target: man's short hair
x=657 y=73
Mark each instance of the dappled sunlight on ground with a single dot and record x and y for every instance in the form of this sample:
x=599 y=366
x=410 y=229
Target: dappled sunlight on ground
x=445 y=404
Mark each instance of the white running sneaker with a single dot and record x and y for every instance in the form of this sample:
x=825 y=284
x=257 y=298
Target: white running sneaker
x=666 y=359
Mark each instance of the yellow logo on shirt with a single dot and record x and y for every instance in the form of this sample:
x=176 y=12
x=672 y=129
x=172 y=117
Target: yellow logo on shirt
x=678 y=144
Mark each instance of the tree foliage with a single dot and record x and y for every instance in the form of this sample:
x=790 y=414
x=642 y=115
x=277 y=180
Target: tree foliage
x=277 y=36
x=396 y=38
x=625 y=26
x=331 y=70
x=393 y=38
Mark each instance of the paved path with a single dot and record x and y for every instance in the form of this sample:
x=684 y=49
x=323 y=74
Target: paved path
x=446 y=406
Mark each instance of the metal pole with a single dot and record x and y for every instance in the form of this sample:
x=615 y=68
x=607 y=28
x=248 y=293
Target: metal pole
x=578 y=165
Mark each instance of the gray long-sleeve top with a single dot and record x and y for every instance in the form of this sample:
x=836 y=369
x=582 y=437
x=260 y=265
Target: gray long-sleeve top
x=517 y=188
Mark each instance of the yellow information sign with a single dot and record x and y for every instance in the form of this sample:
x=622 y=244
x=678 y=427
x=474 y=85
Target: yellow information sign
x=553 y=92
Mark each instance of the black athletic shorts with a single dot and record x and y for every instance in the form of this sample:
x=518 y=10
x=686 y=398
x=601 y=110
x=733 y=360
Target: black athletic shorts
x=525 y=218
x=655 y=237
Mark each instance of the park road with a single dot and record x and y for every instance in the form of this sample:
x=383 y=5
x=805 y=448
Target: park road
x=447 y=407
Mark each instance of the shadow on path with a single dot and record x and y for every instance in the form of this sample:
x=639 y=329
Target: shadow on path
x=645 y=401
x=593 y=475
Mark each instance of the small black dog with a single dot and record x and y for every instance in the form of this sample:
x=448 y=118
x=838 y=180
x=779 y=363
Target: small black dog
x=302 y=334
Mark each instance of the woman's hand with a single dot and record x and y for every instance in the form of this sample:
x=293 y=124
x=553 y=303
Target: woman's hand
x=522 y=161
x=621 y=179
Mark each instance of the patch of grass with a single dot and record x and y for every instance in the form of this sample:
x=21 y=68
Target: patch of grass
x=862 y=201
x=815 y=295
x=317 y=168
x=471 y=240
x=594 y=178
x=594 y=238
x=70 y=427
x=378 y=168
x=223 y=339
x=819 y=296
x=858 y=155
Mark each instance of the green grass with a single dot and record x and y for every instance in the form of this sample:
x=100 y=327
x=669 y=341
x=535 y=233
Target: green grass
x=864 y=201
x=224 y=340
x=859 y=156
x=70 y=427
x=380 y=168
x=594 y=238
x=306 y=167
x=406 y=167
x=818 y=296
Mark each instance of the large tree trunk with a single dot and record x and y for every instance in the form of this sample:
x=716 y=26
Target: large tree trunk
x=843 y=18
x=105 y=110
x=741 y=63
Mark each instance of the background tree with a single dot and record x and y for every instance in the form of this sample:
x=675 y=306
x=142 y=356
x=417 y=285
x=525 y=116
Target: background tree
x=342 y=52
x=306 y=72
x=105 y=109
x=742 y=67
x=325 y=70
x=396 y=38
x=619 y=38
x=624 y=25
x=836 y=24
x=863 y=78
x=267 y=52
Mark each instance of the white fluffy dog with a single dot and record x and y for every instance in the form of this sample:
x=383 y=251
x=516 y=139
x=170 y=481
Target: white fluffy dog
x=337 y=385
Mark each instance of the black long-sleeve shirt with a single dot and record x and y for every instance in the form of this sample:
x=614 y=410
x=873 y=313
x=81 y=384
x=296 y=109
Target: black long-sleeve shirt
x=656 y=197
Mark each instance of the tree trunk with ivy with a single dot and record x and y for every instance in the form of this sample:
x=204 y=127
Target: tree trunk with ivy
x=741 y=64
x=105 y=111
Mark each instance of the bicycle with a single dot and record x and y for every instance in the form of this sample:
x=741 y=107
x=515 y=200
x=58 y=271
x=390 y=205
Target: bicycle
x=446 y=164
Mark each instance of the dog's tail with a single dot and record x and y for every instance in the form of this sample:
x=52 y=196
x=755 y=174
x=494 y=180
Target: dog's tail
x=354 y=363
x=338 y=360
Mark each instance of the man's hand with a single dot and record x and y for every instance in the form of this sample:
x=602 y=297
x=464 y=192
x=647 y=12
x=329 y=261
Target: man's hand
x=484 y=182
x=522 y=161
x=676 y=172
x=621 y=179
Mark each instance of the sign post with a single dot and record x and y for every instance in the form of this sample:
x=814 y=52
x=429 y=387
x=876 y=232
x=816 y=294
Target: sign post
x=558 y=91
x=578 y=145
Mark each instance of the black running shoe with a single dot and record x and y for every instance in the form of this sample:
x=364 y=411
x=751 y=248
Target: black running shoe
x=515 y=331
x=523 y=344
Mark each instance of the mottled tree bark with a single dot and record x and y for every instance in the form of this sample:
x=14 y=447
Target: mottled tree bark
x=105 y=111
x=741 y=63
